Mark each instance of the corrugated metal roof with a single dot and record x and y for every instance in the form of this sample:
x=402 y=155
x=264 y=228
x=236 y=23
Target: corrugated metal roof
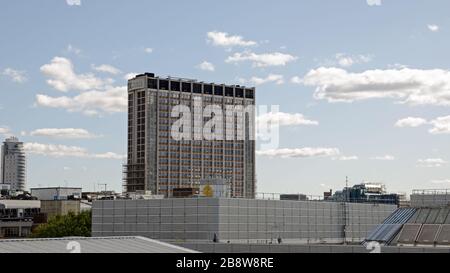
x=127 y=244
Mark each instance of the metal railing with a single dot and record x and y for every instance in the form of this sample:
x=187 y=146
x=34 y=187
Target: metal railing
x=431 y=192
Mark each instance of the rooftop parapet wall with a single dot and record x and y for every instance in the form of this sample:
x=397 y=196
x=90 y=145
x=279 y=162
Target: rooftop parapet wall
x=430 y=198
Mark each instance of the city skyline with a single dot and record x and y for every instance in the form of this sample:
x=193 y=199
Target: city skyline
x=362 y=94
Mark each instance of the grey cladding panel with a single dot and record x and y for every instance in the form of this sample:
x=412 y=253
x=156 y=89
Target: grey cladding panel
x=444 y=235
x=428 y=234
x=409 y=233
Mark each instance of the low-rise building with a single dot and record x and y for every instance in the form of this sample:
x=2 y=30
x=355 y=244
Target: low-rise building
x=57 y=193
x=16 y=217
x=59 y=207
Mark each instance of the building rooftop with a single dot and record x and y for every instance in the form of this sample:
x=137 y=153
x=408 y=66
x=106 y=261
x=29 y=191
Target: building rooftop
x=127 y=244
x=55 y=188
x=19 y=204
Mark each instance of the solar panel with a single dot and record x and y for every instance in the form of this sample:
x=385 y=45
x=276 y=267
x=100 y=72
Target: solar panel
x=428 y=234
x=447 y=220
x=414 y=217
x=423 y=216
x=391 y=226
x=432 y=216
x=440 y=219
x=444 y=236
x=409 y=233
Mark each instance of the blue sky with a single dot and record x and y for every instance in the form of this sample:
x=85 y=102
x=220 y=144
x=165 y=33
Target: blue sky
x=365 y=89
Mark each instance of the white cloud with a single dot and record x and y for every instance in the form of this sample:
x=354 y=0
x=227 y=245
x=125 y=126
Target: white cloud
x=67 y=168
x=278 y=79
x=54 y=150
x=225 y=40
x=296 y=80
x=71 y=49
x=63 y=78
x=374 y=2
x=262 y=60
x=73 y=2
x=346 y=158
x=285 y=119
x=431 y=162
x=5 y=131
x=346 y=60
x=433 y=28
x=65 y=133
x=301 y=152
x=148 y=50
x=206 y=66
x=441 y=125
x=107 y=69
x=384 y=158
x=15 y=75
x=130 y=76
x=410 y=122
x=441 y=181
x=113 y=100
x=109 y=155
x=409 y=86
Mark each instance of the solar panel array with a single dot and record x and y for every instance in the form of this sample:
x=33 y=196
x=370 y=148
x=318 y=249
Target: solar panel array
x=428 y=226
x=386 y=232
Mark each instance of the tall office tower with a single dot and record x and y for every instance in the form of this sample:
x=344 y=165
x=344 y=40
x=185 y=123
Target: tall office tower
x=13 y=172
x=158 y=161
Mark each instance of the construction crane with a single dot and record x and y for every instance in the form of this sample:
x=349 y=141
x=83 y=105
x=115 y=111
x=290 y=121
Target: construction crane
x=105 y=185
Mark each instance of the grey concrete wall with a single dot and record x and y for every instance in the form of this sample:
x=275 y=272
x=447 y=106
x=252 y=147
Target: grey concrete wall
x=287 y=248
x=430 y=200
x=237 y=220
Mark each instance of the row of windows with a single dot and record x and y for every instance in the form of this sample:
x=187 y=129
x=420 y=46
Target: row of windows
x=199 y=88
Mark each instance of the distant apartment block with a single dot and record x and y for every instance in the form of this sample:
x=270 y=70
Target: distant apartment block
x=13 y=164
x=160 y=163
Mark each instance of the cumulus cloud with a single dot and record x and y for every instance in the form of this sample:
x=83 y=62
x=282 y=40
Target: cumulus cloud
x=15 y=75
x=65 y=133
x=106 y=68
x=148 y=50
x=384 y=158
x=275 y=78
x=285 y=119
x=374 y=2
x=410 y=122
x=261 y=60
x=113 y=100
x=441 y=125
x=409 y=86
x=224 y=39
x=300 y=153
x=62 y=77
x=73 y=2
x=433 y=28
x=206 y=66
x=54 y=150
x=431 y=162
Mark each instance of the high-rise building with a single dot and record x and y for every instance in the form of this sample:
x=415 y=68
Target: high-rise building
x=159 y=160
x=13 y=162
